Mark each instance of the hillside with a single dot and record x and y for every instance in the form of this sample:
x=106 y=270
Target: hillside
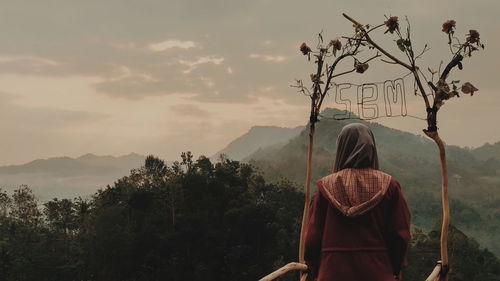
x=258 y=137
x=413 y=160
x=281 y=153
x=488 y=151
x=66 y=177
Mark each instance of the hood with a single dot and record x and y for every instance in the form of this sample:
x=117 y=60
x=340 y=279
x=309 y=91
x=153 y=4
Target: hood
x=355 y=148
x=355 y=191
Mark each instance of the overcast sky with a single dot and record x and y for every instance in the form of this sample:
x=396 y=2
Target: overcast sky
x=161 y=77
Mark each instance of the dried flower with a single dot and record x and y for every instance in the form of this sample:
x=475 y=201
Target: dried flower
x=468 y=88
x=473 y=36
x=442 y=91
x=392 y=24
x=305 y=49
x=336 y=44
x=448 y=26
x=443 y=86
x=361 y=67
x=316 y=79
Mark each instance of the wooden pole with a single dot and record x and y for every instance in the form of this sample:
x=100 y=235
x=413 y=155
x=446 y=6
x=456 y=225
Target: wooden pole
x=446 y=205
x=434 y=276
x=289 y=267
x=305 y=218
x=307 y=192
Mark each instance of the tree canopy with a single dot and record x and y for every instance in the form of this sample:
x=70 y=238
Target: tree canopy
x=193 y=220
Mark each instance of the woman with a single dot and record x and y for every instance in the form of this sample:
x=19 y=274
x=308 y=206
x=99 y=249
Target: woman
x=359 y=225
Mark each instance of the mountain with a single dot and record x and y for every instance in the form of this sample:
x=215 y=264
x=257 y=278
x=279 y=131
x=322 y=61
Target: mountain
x=66 y=177
x=257 y=137
x=488 y=151
x=413 y=160
x=279 y=153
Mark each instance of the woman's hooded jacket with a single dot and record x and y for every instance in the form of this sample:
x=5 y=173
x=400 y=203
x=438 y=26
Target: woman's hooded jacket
x=359 y=225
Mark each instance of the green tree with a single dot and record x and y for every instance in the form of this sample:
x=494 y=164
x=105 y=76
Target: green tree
x=25 y=207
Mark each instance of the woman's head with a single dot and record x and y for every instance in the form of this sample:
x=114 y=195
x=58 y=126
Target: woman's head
x=355 y=148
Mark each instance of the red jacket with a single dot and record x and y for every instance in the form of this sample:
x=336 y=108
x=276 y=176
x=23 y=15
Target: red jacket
x=359 y=227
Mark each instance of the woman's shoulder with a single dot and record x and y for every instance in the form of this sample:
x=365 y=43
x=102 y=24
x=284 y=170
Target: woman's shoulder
x=349 y=172
x=393 y=182
x=394 y=189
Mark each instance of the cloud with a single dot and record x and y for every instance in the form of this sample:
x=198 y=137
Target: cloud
x=169 y=44
x=192 y=65
x=208 y=82
x=148 y=67
x=189 y=110
x=239 y=58
x=267 y=43
x=31 y=60
x=6 y=98
x=136 y=84
x=123 y=72
x=267 y=58
x=28 y=64
x=133 y=87
x=41 y=118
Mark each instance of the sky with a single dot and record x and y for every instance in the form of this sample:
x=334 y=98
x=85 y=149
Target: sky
x=161 y=77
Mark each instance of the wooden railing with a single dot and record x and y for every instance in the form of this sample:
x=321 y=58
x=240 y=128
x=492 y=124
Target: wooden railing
x=434 y=276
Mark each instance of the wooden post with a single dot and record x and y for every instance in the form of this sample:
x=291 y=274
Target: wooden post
x=445 y=202
x=289 y=267
x=307 y=192
x=435 y=274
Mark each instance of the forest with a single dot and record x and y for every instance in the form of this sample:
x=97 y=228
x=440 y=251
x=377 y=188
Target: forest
x=192 y=220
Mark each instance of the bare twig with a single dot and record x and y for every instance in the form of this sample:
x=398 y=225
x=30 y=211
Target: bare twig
x=373 y=28
x=423 y=52
x=389 y=62
x=431 y=120
x=352 y=70
x=354 y=39
x=360 y=26
x=453 y=63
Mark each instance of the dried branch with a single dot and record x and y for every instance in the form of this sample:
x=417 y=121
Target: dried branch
x=389 y=62
x=301 y=88
x=373 y=28
x=423 y=52
x=365 y=34
x=413 y=68
x=352 y=70
x=457 y=59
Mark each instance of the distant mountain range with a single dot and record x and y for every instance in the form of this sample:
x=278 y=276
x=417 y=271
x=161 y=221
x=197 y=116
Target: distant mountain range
x=257 y=138
x=82 y=176
x=281 y=153
x=66 y=177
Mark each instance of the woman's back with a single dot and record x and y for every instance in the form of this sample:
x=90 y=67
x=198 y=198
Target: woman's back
x=359 y=225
